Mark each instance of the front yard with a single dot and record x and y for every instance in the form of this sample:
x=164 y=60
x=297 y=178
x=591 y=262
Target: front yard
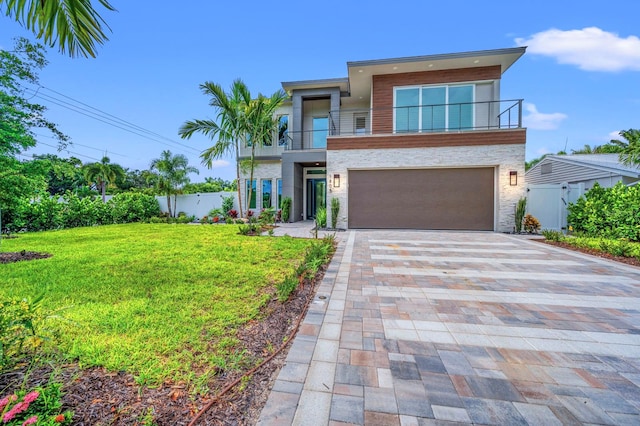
x=162 y=302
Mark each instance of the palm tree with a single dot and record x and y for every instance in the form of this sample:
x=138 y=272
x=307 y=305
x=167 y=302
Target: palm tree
x=102 y=174
x=73 y=24
x=173 y=172
x=630 y=147
x=232 y=128
x=240 y=120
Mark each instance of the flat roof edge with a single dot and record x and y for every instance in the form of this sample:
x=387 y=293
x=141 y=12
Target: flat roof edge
x=340 y=80
x=442 y=56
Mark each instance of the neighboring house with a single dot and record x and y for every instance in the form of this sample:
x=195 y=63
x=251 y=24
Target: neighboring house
x=558 y=180
x=419 y=142
x=587 y=169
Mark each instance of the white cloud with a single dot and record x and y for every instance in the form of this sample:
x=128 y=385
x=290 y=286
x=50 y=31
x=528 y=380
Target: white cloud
x=591 y=49
x=614 y=135
x=219 y=164
x=542 y=151
x=536 y=120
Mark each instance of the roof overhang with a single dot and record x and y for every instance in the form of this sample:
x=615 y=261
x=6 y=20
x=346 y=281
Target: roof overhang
x=361 y=72
x=342 y=83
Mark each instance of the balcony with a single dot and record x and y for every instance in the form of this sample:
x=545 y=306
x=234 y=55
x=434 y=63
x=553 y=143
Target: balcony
x=442 y=120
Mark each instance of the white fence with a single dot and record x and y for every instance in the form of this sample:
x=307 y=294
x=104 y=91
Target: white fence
x=198 y=205
x=548 y=203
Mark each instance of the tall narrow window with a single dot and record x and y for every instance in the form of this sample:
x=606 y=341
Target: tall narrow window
x=460 y=107
x=279 y=189
x=266 y=193
x=433 y=108
x=283 y=130
x=320 y=132
x=252 y=201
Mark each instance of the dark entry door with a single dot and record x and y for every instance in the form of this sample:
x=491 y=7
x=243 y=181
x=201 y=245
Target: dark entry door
x=316 y=196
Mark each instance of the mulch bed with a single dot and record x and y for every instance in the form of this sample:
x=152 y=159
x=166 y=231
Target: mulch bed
x=100 y=397
x=18 y=256
x=628 y=260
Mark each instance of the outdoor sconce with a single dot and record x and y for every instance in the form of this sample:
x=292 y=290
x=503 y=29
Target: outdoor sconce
x=336 y=181
x=513 y=178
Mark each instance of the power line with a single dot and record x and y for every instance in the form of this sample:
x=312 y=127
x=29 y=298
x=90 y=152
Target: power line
x=86 y=146
x=70 y=152
x=105 y=118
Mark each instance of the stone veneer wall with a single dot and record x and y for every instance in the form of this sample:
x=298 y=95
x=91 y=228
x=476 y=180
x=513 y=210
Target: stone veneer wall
x=263 y=170
x=504 y=157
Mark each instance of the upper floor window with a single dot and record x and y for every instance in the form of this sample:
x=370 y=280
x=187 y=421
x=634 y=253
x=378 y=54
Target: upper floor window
x=433 y=108
x=320 y=132
x=283 y=130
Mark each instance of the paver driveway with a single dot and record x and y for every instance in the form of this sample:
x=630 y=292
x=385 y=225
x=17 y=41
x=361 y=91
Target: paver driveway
x=433 y=327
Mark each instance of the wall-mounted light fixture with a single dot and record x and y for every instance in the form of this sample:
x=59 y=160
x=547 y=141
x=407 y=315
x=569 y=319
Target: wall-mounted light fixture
x=336 y=181
x=513 y=178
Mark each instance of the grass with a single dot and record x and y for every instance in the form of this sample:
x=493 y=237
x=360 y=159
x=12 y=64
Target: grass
x=159 y=301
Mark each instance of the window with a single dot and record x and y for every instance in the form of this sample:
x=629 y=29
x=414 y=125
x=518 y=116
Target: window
x=279 y=190
x=252 y=202
x=266 y=193
x=283 y=130
x=320 y=132
x=360 y=124
x=545 y=169
x=433 y=108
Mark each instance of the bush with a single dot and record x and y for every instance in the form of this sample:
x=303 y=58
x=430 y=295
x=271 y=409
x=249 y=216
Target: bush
x=608 y=212
x=321 y=217
x=40 y=406
x=286 y=209
x=531 y=224
x=520 y=210
x=227 y=202
x=129 y=207
x=551 y=235
x=335 y=210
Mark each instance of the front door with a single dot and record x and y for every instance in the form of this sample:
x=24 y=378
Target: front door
x=316 y=195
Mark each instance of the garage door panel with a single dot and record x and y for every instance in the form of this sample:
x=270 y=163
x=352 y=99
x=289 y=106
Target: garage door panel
x=422 y=198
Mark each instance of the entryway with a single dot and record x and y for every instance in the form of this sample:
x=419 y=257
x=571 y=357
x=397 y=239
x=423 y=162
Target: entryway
x=315 y=191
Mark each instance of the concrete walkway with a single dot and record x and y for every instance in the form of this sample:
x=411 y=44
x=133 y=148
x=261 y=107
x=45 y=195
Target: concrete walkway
x=413 y=328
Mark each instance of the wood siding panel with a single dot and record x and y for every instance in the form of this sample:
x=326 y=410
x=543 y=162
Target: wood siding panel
x=459 y=199
x=382 y=103
x=428 y=140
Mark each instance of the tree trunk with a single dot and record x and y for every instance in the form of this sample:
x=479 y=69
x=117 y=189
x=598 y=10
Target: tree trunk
x=169 y=204
x=238 y=186
x=251 y=167
x=103 y=188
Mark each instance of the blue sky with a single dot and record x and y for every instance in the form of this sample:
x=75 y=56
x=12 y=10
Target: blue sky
x=580 y=77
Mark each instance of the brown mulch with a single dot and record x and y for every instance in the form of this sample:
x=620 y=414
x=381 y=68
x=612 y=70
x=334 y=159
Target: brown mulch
x=99 y=397
x=18 y=256
x=628 y=260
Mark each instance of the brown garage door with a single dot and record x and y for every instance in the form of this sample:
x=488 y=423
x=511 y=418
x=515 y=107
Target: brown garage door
x=422 y=198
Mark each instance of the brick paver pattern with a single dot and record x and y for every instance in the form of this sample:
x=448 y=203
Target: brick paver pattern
x=412 y=328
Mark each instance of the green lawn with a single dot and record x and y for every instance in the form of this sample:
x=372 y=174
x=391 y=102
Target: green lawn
x=160 y=301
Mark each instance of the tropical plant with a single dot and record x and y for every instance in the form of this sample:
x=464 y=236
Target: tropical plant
x=102 y=173
x=531 y=224
x=41 y=406
x=552 y=235
x=520 y=211
x=321 y=217
x=286 y=209
x=73 y=24
x=173 y=172
x=227 y=204
x=335 y=210
x=241 y=121
x=630 y=147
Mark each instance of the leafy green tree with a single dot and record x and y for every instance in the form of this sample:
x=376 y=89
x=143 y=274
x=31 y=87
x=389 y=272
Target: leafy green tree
x=102 y=173
x=241 y=121
x=172 y=173
x=210 y=185
x=608 y=148
x=629 y=147
x=18 y=116
x=17 y=186
x=62 y=174
x=74 y=25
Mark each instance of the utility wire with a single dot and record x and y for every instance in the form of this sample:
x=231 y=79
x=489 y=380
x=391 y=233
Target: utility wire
x=87 y=146
x=70 y=152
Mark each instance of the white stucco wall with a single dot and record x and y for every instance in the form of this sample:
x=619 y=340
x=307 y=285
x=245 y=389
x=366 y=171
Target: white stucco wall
x=504 y=158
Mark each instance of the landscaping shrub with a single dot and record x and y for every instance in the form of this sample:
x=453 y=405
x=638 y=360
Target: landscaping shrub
x=321 y=217
x=551 y=235
x=531 y=224
x=20 y=329
x=607 y=212
x=129 y=207
x=286 y=209
x=520 y=210
x=227 y=203
x=40 y=406
x=335 y=210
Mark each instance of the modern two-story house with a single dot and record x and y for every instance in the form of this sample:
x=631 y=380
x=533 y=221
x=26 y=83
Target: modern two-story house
x=420 y=142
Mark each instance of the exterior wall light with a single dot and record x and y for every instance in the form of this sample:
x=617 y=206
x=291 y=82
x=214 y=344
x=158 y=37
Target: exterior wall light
x=336 y=181
x=513 y=178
